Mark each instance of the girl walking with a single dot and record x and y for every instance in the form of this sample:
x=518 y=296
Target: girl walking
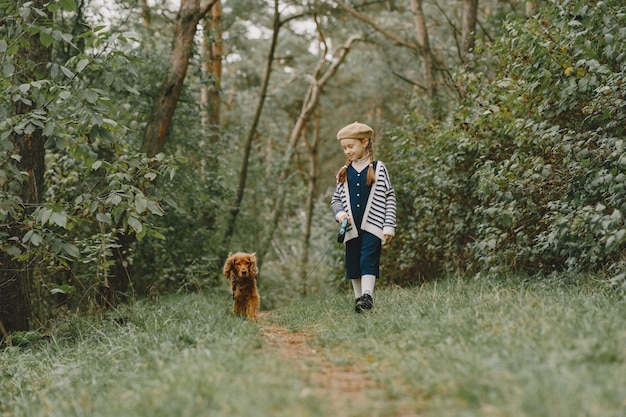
x=365 y=197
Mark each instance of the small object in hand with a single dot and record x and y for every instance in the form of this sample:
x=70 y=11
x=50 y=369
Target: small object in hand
x=342 y=232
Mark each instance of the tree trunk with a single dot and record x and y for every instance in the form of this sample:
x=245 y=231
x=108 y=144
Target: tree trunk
x=168 y=94
x=313 y=150
x=163 y=107
x=468 y=28
x=16 y=276
x=243 y=172
x=212 y=52
x=425 y=53
x=311 y=99
x=145 y=13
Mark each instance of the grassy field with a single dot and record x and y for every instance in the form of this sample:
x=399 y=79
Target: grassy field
x=448 y=348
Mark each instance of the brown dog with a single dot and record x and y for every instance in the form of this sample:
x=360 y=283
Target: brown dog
x=241 y=270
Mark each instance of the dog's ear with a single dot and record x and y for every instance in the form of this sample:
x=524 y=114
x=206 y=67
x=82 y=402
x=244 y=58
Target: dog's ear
x=253 y=268
x=228 y=266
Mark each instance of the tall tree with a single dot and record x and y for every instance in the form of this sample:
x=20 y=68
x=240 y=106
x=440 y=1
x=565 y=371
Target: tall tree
x=145 y=13
x=212 y=52
x=423 y=42
x=165 y=100
x=28 y=150
x=468 y=27
x=243 y=173
x=167 y=96
x=323 y=73
x=422 y=47
x=312 y=147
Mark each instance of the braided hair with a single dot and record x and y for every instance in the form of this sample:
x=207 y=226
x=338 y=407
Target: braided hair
x=342 y=174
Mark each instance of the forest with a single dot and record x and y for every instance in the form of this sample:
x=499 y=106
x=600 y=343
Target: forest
x=142 y=141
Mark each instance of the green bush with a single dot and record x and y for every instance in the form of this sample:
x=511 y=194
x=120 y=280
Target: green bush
x=529 y=173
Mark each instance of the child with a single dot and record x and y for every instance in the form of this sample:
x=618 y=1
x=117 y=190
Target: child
x=365 y=196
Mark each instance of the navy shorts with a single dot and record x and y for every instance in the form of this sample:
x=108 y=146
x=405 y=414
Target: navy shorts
x=363 y=256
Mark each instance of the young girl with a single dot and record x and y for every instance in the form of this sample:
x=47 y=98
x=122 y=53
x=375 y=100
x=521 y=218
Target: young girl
x=365 y=197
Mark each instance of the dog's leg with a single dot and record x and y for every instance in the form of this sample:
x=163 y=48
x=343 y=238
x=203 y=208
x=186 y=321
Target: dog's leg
x=237 y=307
x=251 y=313
x=254 y=306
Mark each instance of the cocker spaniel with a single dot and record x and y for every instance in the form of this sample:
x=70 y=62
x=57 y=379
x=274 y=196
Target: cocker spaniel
x=241 y=270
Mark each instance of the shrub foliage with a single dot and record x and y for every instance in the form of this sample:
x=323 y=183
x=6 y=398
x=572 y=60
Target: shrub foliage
x=529 y=173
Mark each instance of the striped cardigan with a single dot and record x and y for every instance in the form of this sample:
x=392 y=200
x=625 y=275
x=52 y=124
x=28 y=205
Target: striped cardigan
x=380 y=213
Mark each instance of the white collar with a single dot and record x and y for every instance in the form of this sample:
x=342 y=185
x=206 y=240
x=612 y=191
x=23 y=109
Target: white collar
x=360 y=164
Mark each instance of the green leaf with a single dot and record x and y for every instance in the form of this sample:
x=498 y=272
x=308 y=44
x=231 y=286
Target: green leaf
x=43 y=216
x=24 y=12
x=110 y=122
x=46 y=39
x=3 y=46
x=71 y=250
x=13 y=251
x=60 y=219
x=62 y=289
x=69 y=5
x=48 y=130
x=157 y=235
x=135 y=224
x=104 y=217
x=141 y=234
x=67 y=72
x=141 y=203
x=82 y=64
x=33 y=237
x=155 y=208
x=13 y=49
x=8 y=69
x=116 y=199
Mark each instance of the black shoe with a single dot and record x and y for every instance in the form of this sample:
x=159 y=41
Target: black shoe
x=357 y=306
x=365 y=302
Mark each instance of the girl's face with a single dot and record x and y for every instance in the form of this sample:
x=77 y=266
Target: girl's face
x=354 y=149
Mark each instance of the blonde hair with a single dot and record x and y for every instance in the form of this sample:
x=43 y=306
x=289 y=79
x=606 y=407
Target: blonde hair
x=342 y=174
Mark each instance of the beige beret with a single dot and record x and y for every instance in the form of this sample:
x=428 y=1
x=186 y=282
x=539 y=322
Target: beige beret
x=355 y=130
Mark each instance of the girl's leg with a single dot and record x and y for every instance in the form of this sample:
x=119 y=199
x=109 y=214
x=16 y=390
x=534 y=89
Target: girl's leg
x=370 y=268
x=356 y=286
x=367 y=284
x=353 y=268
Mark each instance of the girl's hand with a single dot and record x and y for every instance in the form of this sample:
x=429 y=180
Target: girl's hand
x=346 y=217
x=388 y=238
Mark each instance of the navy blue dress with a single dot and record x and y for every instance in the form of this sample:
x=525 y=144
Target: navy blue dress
x=363 y=252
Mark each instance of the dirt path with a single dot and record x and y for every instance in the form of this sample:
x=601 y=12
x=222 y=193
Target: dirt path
x=347 y=387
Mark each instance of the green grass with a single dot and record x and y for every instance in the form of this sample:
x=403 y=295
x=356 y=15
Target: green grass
x=447 y=349
x=186 y=356
x=483 y=349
